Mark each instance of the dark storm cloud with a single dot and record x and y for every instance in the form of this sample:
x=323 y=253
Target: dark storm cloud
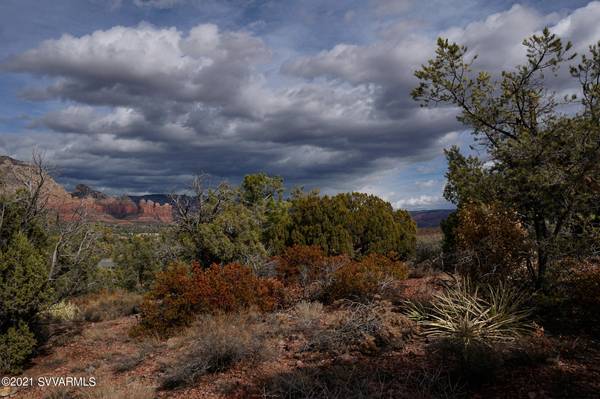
x=146 y=107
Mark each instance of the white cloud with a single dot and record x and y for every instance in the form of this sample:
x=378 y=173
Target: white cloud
x=419 y=201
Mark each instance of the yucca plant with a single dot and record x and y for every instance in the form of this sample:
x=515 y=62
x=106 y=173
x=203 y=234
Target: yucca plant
x=466 y=315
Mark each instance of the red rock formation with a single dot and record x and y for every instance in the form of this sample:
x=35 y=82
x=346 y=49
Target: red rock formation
x=151 y=210
x=95 y=205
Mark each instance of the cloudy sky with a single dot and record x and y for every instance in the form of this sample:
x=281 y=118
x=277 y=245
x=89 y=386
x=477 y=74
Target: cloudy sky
x=137 y=96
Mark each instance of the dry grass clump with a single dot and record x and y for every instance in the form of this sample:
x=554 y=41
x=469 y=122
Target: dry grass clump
x=126 y=363
x=364 y=327
x=63 y=311
x=108 y=305
x=307 y=315
x=216 y=343
x=133 y=390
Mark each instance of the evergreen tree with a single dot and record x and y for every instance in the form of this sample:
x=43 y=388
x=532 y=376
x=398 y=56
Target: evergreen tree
x=541 y=162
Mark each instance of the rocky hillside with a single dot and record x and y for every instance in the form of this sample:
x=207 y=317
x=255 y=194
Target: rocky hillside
x=97 y=205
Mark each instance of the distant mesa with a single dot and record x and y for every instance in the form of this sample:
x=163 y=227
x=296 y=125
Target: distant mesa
x=121 y=209
x=96 y=205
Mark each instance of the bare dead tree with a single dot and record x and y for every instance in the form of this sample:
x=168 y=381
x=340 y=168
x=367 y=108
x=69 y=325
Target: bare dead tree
x=203 y=206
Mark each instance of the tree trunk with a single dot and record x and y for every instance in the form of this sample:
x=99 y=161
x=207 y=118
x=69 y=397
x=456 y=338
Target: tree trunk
x=541 y=233
x=542 y=263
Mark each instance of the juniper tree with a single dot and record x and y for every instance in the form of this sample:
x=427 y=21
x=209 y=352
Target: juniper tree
x=542 y=158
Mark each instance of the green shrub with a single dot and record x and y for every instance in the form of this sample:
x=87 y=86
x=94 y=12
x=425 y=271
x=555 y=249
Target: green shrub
x=354 y=224
x=23 y=293
x=16 y=345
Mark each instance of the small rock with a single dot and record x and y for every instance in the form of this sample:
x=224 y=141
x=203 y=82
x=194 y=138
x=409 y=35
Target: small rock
x=299 y=363
x=347 y=358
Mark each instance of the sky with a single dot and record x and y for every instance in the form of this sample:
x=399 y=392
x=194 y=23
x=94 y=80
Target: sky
x=138 y=96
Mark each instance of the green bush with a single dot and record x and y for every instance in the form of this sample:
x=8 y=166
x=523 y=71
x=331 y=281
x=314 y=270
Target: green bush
x=354 y=224
x=23 y=293
x=23 y=285
x=16 y=345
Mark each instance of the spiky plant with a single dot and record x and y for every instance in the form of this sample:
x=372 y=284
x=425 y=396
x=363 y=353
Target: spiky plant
x=465 y=315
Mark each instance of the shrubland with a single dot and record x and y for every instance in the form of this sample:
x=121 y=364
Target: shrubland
x=247 y=272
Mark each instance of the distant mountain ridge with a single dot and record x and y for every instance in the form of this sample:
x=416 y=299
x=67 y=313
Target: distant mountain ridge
x=430 y=217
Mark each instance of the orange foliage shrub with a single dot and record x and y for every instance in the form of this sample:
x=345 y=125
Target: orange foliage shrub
x=233 y=287
x=181 y=292
x=305 y=265
x=491 y=242
x=300 y=263
x=358 y=280
x=336 y=277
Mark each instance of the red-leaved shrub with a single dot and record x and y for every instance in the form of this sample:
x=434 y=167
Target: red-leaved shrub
x=181 y=292
x=361 y=279
x=301 y=264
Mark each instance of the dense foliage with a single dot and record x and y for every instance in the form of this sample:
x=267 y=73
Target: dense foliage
x=182 y=291
x=246 y=224
x=542 y=159
x=355 y=224
x=42 y=261
x=491 y=243
x=24 y=286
